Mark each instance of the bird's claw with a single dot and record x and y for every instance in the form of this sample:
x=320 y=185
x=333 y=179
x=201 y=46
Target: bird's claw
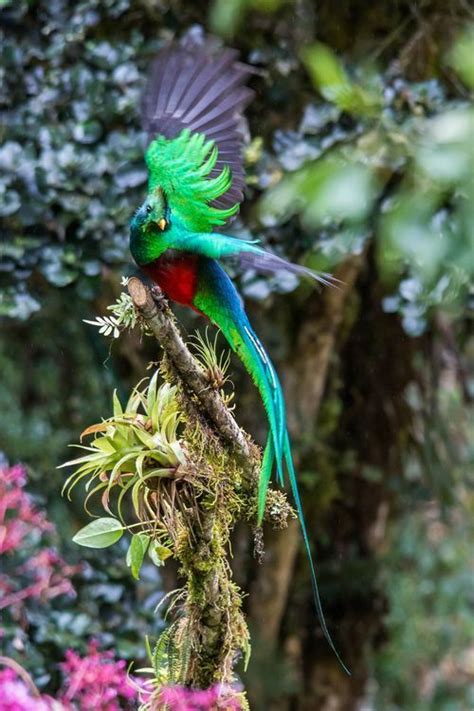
x=157 y=295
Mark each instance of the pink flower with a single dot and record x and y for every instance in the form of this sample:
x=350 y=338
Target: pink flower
x=220 y=697
x=14 y=475
x=44 y=575
x=96 y=681
x=15 y=695
x=18 y=516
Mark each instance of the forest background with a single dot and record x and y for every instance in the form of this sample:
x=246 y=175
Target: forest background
x=360 y=161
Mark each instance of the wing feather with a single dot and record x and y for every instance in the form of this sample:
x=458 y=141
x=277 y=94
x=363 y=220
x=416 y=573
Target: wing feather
x=193 y=86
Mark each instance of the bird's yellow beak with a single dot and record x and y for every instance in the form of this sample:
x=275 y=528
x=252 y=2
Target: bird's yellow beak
x=162 y=224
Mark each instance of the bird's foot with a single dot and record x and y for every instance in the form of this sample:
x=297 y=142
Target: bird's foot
x=158 y=296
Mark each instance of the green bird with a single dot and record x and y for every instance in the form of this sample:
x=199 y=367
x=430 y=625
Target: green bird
x=192 y=111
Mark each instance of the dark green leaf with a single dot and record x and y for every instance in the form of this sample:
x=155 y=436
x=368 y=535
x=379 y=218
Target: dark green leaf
x=136 y=553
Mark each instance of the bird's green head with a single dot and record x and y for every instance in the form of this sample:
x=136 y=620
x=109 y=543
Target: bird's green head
x=148 y=224
x=152 y=215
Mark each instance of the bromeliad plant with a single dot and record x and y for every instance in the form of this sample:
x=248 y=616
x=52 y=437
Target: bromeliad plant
x=128 y=456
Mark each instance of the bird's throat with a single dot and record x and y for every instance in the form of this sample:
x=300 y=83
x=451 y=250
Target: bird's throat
x=146 y=246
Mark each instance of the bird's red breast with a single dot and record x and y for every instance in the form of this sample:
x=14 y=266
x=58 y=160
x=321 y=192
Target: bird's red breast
x=177 y=276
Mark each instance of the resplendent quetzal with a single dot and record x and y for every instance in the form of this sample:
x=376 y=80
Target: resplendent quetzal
x=192 y=109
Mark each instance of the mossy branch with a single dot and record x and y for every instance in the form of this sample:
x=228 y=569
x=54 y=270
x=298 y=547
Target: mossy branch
x=212 y=624
x=155 y=311
x=176 y=453
x=153 y=307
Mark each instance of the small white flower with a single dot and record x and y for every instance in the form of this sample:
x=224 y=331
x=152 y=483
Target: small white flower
x=123 y=315
x=107 y=325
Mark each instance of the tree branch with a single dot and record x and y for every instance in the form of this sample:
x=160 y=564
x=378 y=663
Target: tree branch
x=213 y=623
x=157 y=315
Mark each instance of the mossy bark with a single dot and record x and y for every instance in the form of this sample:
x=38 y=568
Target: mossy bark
x=210 y=633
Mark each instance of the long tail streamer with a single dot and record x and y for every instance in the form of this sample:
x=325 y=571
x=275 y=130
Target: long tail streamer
x=278 y=448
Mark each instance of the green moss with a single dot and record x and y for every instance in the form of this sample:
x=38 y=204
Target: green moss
x=211 y=619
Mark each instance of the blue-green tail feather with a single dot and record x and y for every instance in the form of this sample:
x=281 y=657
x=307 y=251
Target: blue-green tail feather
x=218 y=298
x=268 y=462
x=278 y=443
x=260 y=367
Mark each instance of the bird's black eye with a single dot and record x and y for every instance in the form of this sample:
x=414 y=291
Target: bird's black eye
x=148 y=209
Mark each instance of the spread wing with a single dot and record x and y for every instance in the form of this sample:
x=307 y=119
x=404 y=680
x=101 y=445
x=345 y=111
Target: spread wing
x=198 y=88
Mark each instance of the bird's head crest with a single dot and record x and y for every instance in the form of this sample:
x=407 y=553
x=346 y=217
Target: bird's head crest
x=182 y=171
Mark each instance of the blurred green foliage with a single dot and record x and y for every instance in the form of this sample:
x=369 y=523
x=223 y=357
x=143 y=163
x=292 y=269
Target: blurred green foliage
x=71 y=147
x=404 y=173
x=429 y=572
x=334 y=84
x=428 y=569
x=227 y=16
